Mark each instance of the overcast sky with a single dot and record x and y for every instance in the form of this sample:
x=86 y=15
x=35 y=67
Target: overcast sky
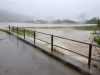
x=54 y=9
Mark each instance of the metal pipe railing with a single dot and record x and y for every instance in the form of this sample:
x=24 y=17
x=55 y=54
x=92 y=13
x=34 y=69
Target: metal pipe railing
x=51 y=42
x=71 y=40
x=34 y=37
x=89 y=56
x=9 y=28
x=52 y=36
x=71 y=51
x=24 y=33
x=43 y=33
x=43 y=40
x=17 y=30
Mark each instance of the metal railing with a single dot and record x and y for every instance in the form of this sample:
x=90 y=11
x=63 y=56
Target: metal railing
x=52 y=44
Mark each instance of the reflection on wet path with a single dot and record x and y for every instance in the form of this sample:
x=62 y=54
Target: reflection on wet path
x=19 y=58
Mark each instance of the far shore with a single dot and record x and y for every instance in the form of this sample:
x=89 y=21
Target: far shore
x=6 y=24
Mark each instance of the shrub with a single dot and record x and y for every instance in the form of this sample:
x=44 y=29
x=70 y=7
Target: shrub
x=97 y=39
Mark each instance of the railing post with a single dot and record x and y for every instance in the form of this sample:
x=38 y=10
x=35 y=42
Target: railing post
x=24 y=33
x=34 y=37
x=13 y=29
x=9 y=28
x=17 y=30
x=90 y=52
x=51 y=42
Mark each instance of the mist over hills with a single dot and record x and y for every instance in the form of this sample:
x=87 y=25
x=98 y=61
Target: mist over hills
x=10 y=16
x=92 y=21
x=6 y=15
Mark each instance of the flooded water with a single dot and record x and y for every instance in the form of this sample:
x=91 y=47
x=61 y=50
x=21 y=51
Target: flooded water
x=63 y=31
x=6 y=24
x=70 y=34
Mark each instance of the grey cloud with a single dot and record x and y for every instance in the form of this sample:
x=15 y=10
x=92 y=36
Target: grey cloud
x=54 y=9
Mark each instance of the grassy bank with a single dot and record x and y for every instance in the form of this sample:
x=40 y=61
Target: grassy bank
x=4 y=30
x=21 y=31
x=86 y=28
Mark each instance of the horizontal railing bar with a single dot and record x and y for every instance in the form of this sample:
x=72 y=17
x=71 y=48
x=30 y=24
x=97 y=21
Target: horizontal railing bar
x=43 y=33
x=63 y=38
x=71 y=51
x=29 y=30
x=95 y=60
x=21 y=28
x=95 y=45
x=43 y=40
x=72 y=40
x=18 y=27
x=28 y=35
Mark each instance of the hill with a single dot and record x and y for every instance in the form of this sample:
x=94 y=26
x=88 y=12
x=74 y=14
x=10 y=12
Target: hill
x=92 y=21
x=6 y=15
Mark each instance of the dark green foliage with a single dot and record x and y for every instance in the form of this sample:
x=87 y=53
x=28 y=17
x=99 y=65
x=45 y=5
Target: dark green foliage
x=97 y=39
x=68 y=21
x=63 y=21
x=95 y=29
x=92 y=21
x=98 y=23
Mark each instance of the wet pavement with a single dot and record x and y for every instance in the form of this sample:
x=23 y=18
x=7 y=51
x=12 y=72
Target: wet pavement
x=19 y=58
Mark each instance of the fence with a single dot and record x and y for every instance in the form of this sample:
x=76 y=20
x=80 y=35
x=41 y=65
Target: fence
x=24 y=32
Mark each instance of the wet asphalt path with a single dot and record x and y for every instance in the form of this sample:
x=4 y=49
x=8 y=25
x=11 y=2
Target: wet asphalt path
x=19 y=58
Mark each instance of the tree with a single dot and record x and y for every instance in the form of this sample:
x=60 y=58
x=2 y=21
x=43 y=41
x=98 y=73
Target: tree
x=96 y=39
x=92 y=21
x=97 y=33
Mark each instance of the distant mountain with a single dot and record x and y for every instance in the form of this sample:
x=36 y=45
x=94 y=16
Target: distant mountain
x=6 y=15
x=91 y=21
x=68 y=21
x=63 y=21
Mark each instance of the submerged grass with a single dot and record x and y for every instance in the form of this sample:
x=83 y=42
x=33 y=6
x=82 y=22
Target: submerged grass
x=86 y=28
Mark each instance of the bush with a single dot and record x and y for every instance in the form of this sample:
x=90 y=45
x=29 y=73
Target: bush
x=97 y=40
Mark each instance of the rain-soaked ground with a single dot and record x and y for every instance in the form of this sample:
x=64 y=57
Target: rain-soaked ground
x=19 y=58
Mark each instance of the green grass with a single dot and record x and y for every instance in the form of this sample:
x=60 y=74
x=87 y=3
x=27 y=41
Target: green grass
x=86 y=28
x=4 y=30
x=21 y=31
